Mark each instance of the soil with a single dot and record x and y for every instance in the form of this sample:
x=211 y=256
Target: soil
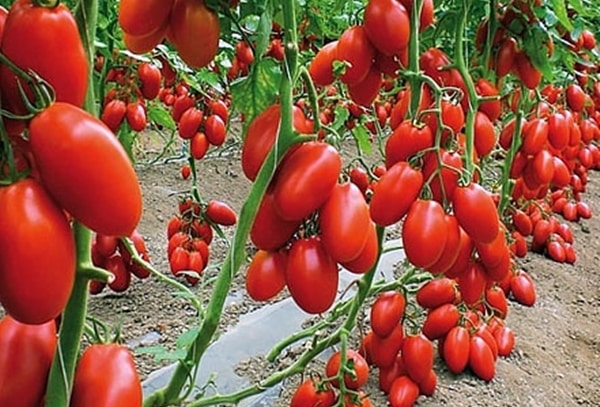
x=557 y=355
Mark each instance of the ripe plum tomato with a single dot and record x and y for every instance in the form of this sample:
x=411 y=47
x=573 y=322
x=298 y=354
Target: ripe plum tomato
x=437 y=292
x=356 y=50
x=26 y=353
x=269 y=231
x=310 y=393
x=476 y=212
x=85 y=169
x=387 y=312
x=440 y=321
x=120 y=384
x=220 y=213
x=321 y=67
x=143 y=17
x=47 y=41
x=368 y=256
x=404 y=392
x=150 y=78
x=387 y=25
x=395 y=192
x=306 y=178
x=359 y=366
x=35 y=233
x=456 y=349
x=114 y=113
x=343 y=219
x=424 y=233
x=194 y=32
x=417 y=353
x=407 y=140
x=481 y=359
x=309 y=266
x=265 y=277
x=384 y=350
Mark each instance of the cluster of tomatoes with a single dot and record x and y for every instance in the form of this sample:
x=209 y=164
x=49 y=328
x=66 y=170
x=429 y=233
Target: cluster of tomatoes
x=66 y=167
x=190 y=234
x=352 y=368
x=189 y=25
x=111 y=254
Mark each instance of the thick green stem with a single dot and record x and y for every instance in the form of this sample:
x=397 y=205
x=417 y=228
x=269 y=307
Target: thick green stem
x=491 y=33
x=414 y=81
x=461 y=65
x=86 y=16
x=236 y=254
x=72 y=325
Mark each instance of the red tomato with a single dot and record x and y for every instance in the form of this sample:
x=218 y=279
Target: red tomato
x=26 y=353
x=528 y=74
x=417 y=353
x=359 y=399
x=116 y=266
x=405 y=141
x=427 y=386
x=395 y=192
x=265 y=277
x=445 y=182
x=424 y=233
x=143 y=17
x=214 y=128
x=365 y=92
x=387 y=375
x=190 y=122
x=269 y=231
x=403 y=393
x=481 y=359
x=113 y=114
x=465 y=253
x=496 y=300
x=120 y=384
x=476 y=212
x=437 y=292
x=472 y=283
x=313 y=394
x=451 y=247
x=220 y=213
x=505 y=338
x=384 y=350
x=310 y=266
x=219 y=108
x=321 y=67
x=359 y=366
x=194 y=32
x=535 y=136
x=261 y=135
x=523 y=289
x=145 y=43
x=485 y=135
x=368 y=256
x=387 y=25
x=47 y=41
x=575 y=97
x=199 y=145
x=343 y=219
x=35 y=233
x=85 y=168
x=136 y=116
x=456 y=349
x=440 y=321
x=387 y=312
x=150 y=78
x=305 y=179
x=357 y=51
x=491 y=108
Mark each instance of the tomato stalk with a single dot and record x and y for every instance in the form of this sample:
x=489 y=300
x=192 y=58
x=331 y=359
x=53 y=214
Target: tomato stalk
x=491 y=33
x=86 y=15
x=413 y=58
x=461 y=66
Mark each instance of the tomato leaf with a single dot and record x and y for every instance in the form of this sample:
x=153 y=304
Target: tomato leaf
x=264 y=33
x=126 y=138
x=535 y=45
x=560 y=9
x=253 y=94
x=159 y=115
x=187 y=338
x=361 y=135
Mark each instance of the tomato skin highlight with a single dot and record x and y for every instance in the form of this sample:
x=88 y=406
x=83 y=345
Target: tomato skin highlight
x=309 y=266
x=34 y=232
x=424 y=233
x=343 y=220
x=119 y=385
x=85 y=169
x=26 y=353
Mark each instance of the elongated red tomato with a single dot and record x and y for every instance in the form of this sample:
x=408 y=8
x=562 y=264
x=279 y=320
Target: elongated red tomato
x=481 y=359
x=360 y=369
x=404 y=392
x=472 y=283
x=368 y=256
x=194 y=32
x=269 y=231
x=440 y=321
x=387 y=25
x=446 y=181
x=46 y=40
x=407 y=140
x=343 y=219
x=305 y=180
x=265 y=277
x=321 y=67
x=120 y=384
x=476 y=212
x=387 y=312
x=220 y=213
x=424 y=233
x=417 y=353
x=26 y=353
x=37 y=260
x=451 y=248
x=437 y=292
x=310 y=266
x=143 y=17
x=395 y=192
x=310 y=394
x=357 y=51
x=85 y=168
x=456 y=349
x=385 y=349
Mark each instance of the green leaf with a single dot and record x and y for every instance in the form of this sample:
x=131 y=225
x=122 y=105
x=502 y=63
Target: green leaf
x=535 y=44
x=126 y=137
x=560 y=9
x=187 y=338
x=159 y=115
x=264 y=33
x=363 y=139
x=254 y=93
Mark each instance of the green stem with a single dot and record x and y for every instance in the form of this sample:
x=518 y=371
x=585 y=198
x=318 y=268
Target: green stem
x=461 y=66
x=60 y=380
x=86 y=16
x=489 y=41
x=414 y=80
